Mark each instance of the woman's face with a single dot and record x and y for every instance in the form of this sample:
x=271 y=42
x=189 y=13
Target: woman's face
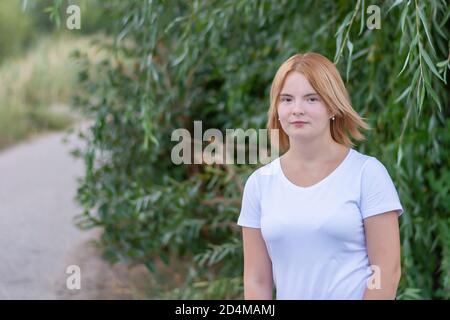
x=298 y=101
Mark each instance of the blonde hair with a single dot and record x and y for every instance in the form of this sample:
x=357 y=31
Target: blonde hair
x=326 y=80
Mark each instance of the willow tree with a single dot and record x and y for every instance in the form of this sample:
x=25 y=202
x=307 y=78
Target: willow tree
x=172 y=63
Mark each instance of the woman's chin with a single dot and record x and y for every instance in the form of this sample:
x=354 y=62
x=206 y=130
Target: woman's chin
x=300 y=132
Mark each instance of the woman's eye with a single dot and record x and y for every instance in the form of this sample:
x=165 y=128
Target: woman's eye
x=313 y=99
x=286 y=99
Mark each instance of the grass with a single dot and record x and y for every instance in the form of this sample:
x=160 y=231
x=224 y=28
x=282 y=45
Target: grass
x=35 y=90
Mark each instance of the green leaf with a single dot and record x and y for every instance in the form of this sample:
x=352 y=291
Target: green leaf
x=403 y=18
x=433 y=95
x=405 y=64
x=429 y=63
x=361 y=28
x=399 y=155
x=403 y=95
x=442 y=64
x=420 y=96
x=424 y=23
x=349 y=61
x=338 y=46
x=344 y=23
x=395 y=4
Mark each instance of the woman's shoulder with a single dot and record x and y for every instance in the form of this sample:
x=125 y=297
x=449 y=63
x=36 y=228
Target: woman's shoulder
x=361 y=160
x=368 y=165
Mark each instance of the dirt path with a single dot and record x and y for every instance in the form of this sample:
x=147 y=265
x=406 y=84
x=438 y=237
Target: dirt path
x=38 y=239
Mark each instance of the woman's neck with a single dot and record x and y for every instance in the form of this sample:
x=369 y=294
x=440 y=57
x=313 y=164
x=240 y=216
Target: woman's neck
x=313 y=153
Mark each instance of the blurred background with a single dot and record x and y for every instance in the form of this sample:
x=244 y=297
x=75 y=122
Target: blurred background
x=91 y=91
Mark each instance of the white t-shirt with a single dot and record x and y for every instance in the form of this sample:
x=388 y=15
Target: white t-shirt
x=315 y=235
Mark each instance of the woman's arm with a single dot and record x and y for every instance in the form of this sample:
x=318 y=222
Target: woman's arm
x=383 y=248
x=258 y=283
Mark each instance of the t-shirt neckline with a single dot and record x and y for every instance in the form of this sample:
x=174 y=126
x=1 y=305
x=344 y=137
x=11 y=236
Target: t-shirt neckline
x=328 y=177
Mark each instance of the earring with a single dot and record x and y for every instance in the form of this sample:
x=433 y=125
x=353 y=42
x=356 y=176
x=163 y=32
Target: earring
x=332 y=118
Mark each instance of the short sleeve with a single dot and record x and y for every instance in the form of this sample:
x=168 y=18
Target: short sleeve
x=378 y=192
x=250 y=214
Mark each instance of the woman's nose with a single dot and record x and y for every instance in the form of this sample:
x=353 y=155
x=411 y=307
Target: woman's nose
x=298 y=108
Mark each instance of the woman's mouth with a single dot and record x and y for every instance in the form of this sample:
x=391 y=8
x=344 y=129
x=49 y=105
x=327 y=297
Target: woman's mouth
x=298 y=122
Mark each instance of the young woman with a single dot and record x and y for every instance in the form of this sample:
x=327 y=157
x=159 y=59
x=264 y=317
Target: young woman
x=321 y=220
